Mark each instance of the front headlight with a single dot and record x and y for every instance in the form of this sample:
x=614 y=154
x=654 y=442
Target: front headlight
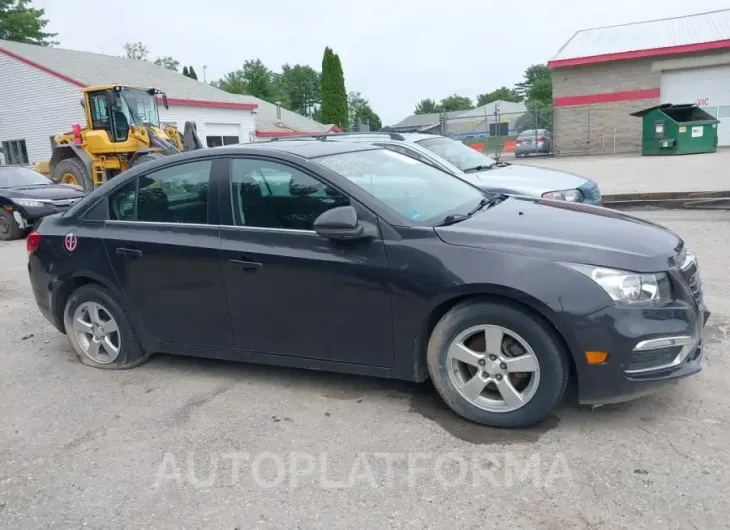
x=628 y=287
x=27 y=202
x=564 y=195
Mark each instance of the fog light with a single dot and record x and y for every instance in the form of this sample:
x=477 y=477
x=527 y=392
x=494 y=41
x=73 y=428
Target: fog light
x=596 y=357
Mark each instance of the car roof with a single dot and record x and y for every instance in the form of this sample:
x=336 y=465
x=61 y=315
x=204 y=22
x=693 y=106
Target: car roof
x=415 y=136
x=362 y=137
x=304 y=148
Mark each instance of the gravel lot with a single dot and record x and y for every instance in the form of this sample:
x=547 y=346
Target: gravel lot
x=634 y=173
x=182 y=442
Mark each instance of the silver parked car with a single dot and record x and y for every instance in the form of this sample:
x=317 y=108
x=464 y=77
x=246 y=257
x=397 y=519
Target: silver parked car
x=533 y=142
x=463 y=162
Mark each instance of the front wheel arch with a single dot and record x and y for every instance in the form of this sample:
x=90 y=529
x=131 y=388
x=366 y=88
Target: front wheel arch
x=420 y=369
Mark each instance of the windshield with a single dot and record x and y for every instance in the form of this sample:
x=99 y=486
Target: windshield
x=419 y=192
x=139 y=107
x=19 y=176
x=462 y=156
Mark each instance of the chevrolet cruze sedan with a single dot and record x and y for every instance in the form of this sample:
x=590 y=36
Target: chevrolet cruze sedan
x=354 y=258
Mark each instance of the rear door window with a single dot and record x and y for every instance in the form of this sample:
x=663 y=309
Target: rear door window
x=177 y=194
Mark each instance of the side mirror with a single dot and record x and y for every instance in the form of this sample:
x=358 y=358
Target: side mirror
x=164 y=101
x=339 y=223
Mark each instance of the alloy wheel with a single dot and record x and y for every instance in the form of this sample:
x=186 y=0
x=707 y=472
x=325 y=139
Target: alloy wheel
x=493 y=368
x=96 y=332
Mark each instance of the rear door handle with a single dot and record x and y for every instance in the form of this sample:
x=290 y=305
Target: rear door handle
x=246 y=266
x=129 y=253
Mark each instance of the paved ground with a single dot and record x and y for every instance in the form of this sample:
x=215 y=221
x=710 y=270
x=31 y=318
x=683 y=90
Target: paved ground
x=200 y=444
x=634 y=173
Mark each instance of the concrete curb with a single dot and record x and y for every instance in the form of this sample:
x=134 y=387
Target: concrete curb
x=696 y=200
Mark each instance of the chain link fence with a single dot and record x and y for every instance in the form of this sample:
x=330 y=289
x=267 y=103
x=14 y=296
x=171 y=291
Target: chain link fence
x=546 y=131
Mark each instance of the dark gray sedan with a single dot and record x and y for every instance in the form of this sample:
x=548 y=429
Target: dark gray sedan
x=352 y=258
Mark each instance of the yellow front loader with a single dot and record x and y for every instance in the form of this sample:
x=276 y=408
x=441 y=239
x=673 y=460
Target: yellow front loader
x=122 y=130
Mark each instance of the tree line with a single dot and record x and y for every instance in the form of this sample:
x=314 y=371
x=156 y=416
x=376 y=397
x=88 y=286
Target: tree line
x=318 y=94
x=537 y=86
x=535 y=91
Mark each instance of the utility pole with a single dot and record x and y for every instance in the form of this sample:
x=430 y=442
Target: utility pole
x=204 y=68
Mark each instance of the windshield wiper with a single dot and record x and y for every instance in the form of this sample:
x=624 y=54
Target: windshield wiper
x=452 y=219
x=478 y=168
x=483 y=203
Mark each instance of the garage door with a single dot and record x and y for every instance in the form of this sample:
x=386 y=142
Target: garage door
x=708 y=87
x=217 y=134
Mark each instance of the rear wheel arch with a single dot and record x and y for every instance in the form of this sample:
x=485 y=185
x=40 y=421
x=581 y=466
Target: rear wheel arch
x=516 y=298
x=63 y=292
x=69 y=285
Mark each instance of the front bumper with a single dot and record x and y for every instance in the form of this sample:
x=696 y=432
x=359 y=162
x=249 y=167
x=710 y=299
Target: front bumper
x=647 y=347
x=28 y=217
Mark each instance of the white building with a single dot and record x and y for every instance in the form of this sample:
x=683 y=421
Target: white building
x=40 y=97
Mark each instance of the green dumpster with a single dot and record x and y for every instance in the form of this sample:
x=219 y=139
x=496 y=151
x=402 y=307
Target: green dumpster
x=669 y=129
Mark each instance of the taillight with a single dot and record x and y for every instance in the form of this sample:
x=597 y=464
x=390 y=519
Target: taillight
x=540 y=138
x=32 y=242
x=518 y=141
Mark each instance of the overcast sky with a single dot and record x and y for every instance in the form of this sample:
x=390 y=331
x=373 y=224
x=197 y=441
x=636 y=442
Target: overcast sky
x=395 y=52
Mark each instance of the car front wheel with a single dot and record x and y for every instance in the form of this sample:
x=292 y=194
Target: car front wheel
x=9 y=229
x=100 y=331
x=497 y=364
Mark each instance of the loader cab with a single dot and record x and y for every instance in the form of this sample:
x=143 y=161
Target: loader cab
x=115 y=109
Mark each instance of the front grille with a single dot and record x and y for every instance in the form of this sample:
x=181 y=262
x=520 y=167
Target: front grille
x=652 y=359
x=63 y=203
x=691 y=272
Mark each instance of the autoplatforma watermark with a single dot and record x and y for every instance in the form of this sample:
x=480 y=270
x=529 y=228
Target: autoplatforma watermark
x=362 y=470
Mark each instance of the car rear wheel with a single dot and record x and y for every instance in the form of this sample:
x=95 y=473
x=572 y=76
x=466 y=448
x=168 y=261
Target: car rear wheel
x=9 y=229
x=100 y=331
x=497 y=364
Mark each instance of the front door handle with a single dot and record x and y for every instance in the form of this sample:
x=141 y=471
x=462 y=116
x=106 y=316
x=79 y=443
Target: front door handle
x=129 y=253
x=246 y=266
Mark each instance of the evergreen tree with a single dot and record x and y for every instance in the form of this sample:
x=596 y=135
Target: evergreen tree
x=185 y=71
x=192 y=74
x=333 y=94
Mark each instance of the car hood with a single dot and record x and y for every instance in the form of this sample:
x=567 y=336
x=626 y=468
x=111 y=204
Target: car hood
x=526 y=180
x=45 y=192
x=570 y=232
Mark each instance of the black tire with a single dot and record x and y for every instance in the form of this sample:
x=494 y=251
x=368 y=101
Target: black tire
x=9 y=228
x=75 y=167
x=551 y=355
x=131 y=353
x=143 y=159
